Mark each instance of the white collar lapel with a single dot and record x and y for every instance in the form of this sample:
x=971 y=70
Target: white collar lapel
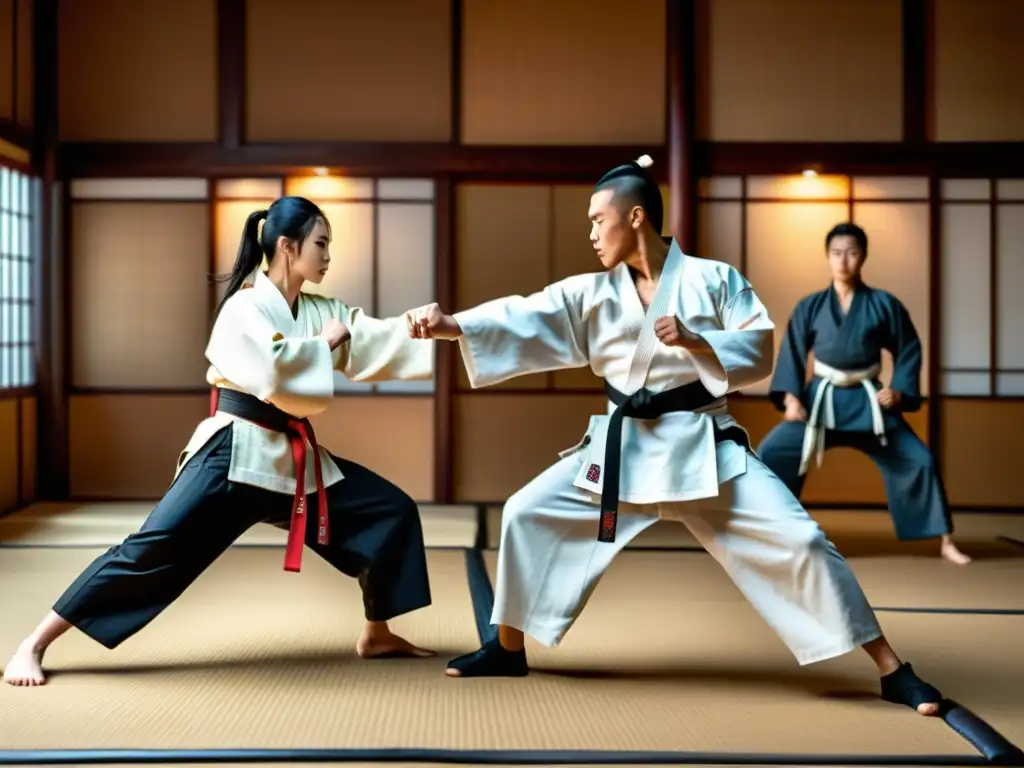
x=274 y=301
x=668 y=286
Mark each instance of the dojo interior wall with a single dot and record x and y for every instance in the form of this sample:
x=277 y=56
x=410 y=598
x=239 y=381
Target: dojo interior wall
x=529 y=74
x=17 y=451
x=982 y=328
x=789 y=70
x=804 y=70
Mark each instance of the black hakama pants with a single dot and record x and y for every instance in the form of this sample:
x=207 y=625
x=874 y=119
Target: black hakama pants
x=913 y=486
x=375 y=537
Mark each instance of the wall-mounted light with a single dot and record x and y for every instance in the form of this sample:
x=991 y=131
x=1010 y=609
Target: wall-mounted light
x=320 y=171
x=810 y=173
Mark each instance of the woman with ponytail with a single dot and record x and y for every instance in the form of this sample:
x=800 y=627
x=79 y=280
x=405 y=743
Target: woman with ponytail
x=249 y=259
x=273 y=353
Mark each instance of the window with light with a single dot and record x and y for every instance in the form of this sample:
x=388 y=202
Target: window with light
x=17 y=277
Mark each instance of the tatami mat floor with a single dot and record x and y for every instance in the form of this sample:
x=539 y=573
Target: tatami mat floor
x=106 y=523
x=678 y=624
x=667 y=657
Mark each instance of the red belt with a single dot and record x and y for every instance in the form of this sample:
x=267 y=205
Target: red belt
x=298 y=432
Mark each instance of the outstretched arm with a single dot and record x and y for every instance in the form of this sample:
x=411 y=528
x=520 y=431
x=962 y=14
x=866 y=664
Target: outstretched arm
x=738 y=354
x=381 y=350
x=512 y=336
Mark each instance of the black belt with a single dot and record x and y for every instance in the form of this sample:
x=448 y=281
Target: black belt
x=298 y=431
x=251 y=409
x=643 y=404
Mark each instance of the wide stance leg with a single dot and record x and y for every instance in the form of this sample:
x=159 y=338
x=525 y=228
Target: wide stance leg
x=783 y=563
x=376 y=536
x=797 y=581
x=128 y=586
x=917 y=497
x=549 y=563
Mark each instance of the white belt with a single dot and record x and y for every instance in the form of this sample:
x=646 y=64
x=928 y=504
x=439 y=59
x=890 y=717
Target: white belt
x=817 y=424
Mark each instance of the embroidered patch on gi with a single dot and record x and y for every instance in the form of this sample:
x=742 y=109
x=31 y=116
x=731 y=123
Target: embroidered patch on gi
x=278 y=337
x=593 y=473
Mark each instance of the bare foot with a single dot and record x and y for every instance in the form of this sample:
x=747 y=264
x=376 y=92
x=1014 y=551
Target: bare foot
x=385 y=645
x=952 y=553
x=25 y=668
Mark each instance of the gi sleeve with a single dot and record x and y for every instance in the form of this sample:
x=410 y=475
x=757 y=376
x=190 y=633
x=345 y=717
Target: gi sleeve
x=740 y=353
x=517 y=335
x=380 y=349
x=294 y=374
x=791 y=369
x=905 y=346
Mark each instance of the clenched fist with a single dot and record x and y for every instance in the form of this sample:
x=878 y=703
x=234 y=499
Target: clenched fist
x=887 y=397
x=429 y=322
x=673 y=333
x=795 y=410
x=336 y=333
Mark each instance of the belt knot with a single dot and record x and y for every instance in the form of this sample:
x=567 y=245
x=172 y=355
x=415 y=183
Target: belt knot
x=639 y=404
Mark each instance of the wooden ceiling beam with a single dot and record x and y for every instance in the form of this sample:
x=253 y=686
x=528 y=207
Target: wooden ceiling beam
x=101 y=159
x=537 y=163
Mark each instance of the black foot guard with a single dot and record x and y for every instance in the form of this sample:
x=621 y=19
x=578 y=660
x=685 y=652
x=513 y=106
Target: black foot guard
x=904 y=687
x=491 y=661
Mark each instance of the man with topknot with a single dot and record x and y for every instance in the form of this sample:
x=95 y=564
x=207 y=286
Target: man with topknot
x=671 y=335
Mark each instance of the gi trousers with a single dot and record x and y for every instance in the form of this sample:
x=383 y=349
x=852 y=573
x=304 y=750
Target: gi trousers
x=375 y=537
x=550 y=560
x=913 y=486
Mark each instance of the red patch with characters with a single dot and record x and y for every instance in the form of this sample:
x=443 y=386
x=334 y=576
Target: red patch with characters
x=593 y=473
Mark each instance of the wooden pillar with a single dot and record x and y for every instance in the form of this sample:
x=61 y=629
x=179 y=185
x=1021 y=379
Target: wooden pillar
x=917 y=99
x=52 y=459
x=935 y=360
x=231 y=79
x=918 y=106
x=446 y=354
x=231 y=72
x=681 y=62
x=445 y=377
